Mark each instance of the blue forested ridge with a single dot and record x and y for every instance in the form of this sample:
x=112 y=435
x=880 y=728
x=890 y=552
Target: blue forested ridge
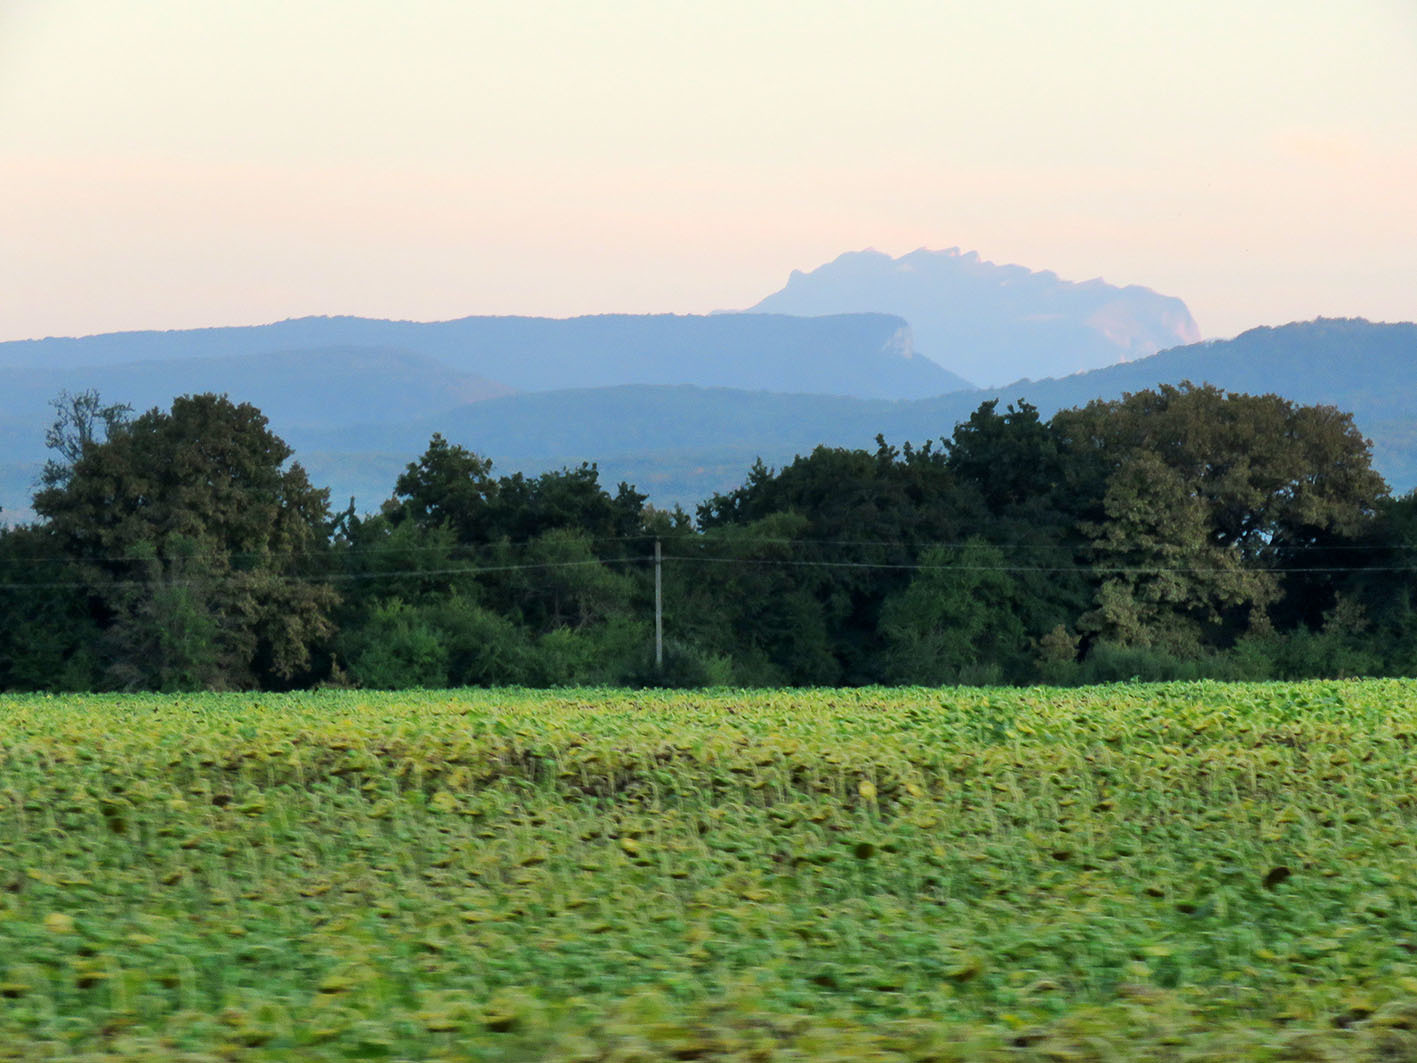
x=355 y=415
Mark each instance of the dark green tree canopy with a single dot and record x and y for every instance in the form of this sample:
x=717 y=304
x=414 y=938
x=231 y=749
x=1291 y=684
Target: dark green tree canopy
x=1180 y=531
x=448 y=485
x=200 y=544
x=1206 y=495
x=1011 y=458
x=209 y=470
x=1270 y=474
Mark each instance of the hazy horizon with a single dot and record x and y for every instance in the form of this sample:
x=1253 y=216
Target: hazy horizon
x=198 y=164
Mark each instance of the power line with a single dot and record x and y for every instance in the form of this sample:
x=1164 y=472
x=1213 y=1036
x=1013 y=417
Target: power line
x=324 y=553
x=337 y=554
x=332 y=577
x=1102 y=569
x=347 y=577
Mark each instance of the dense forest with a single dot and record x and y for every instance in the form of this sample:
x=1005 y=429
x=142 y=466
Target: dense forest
x=1182 y=531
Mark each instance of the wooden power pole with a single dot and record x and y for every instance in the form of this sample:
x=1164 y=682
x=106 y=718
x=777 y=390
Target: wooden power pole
x=658 y=610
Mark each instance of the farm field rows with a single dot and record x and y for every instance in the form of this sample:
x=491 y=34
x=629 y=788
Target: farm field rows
x=1174 y=872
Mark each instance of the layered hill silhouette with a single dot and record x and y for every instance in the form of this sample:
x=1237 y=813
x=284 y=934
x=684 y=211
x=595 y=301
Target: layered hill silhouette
x=324 y=387
x=993 y=323
x=316 y=373
x=866 y=355
x=681 y=444
x=354 y=430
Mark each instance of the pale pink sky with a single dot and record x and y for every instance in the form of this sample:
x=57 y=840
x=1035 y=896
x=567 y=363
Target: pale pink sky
x=180 y=163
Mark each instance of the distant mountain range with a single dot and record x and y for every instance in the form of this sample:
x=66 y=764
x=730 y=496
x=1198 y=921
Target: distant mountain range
x=356 y=416
x=681 y=444
x=865 y=355
x=993 y=323
x=313 y=374
x=322 y=387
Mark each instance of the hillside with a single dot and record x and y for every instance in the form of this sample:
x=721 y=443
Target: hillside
x=993 y=323
x=1366 y=368
x=867 y=355
x=309 y=389
x=324 y=387
x=682 y=443
x=344 y=373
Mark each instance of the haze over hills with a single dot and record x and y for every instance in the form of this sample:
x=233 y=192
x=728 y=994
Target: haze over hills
x=993 y=323
x=681 y=444
x=323 y=387
x=867 y=355
x=313 y=373
x=357 y=414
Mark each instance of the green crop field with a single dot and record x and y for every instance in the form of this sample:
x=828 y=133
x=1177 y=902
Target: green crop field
x=1174 y=872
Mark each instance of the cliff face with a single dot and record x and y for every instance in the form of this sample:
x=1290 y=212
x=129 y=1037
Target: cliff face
x=993 y=324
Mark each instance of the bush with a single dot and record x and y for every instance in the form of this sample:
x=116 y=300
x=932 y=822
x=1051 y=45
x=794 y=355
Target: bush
x=483 y=648
x=1110 y=663
x=685 y=666
x=397 y=648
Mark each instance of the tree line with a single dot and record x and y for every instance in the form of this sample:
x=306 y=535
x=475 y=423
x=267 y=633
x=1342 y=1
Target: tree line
x=1177 y=532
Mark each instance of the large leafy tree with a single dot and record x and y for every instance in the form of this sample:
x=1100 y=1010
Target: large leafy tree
x=48 y=637
x=1012 y=458
x=452 y=487
x=570 y=499
x=1209 y=497
x=200 y=544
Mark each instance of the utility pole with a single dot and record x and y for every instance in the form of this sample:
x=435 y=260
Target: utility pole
x=658 y=611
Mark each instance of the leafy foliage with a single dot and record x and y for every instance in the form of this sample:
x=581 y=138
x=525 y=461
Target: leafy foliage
x=1178 y=532
x=188 y=526
x=1206 y=492
x=960 y=610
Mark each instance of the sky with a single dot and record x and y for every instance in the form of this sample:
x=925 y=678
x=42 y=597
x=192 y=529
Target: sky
x=187 y=163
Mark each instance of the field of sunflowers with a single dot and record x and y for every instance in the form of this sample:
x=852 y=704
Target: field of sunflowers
x=1169 y=872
